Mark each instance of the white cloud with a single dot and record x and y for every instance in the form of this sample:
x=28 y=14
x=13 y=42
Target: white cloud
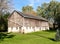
x=32 y=2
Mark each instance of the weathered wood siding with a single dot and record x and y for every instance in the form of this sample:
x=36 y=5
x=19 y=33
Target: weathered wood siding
x=15 y=21
x=32 y=25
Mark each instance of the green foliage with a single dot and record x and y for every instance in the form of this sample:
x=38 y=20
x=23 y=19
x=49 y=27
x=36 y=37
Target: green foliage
x=42 y=9
x=49 y=10
x=27 y=9
x=5 y=35
x=52 y=9
x=4 y=22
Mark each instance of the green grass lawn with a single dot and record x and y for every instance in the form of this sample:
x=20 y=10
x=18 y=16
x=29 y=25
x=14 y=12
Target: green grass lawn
x=42 y=37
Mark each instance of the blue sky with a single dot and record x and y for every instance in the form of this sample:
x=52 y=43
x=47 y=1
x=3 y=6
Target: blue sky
x=18 y=4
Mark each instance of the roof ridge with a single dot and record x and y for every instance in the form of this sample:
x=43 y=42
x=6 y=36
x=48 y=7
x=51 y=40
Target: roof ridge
x=29 y=16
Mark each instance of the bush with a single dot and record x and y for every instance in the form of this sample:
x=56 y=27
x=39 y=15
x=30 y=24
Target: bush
x=57 y=37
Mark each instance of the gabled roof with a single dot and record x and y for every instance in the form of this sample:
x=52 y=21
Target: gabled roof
x=29 y=16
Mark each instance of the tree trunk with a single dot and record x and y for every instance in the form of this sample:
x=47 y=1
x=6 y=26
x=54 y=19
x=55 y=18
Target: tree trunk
x=54 y=26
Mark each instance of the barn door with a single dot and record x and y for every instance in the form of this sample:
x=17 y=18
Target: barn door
x=20 y=29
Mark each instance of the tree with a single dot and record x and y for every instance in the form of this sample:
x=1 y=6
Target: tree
x=4 y=22
x=33 y=13
x=28 y=10
x=5 y=6
x=41 y=9
x=51 y=12
x=57 y=19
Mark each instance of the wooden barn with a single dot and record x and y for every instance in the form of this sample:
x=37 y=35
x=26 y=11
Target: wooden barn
x=26 y=23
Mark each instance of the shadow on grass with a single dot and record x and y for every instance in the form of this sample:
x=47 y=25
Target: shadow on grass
x=50 y=30
x=5 y=35
x=45 y=37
